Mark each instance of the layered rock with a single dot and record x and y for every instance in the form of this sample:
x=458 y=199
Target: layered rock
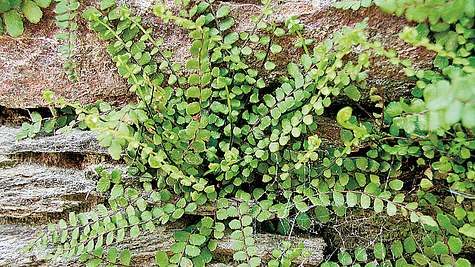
x=74 y=141
x=35 y=191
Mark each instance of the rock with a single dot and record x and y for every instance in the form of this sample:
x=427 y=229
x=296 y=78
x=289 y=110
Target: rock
x=30 y=64
x=6 y=162
x=34 y=193
x=75 y=141
x=162 y=240
x=15 y=237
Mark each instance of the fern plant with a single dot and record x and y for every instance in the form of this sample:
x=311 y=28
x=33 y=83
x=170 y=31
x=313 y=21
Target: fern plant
x=216 y=131
x=66 y=13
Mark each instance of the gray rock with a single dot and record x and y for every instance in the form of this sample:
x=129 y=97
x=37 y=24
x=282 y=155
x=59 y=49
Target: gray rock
x=162 y=239
x=14 y=238
x=75 y=141
x=34 y=193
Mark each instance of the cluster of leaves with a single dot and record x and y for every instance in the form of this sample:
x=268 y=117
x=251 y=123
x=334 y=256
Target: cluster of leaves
x=220 y=132
x=66 y=13
x=353 y=4
x=393 y=254
x=434 y=11
x=62 y=118
x=14 y=11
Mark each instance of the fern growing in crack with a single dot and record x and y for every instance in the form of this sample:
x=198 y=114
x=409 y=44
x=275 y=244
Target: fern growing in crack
x=66 y=12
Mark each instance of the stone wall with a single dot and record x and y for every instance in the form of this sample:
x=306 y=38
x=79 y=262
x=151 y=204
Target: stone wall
x=31 y=64
x=43 y=179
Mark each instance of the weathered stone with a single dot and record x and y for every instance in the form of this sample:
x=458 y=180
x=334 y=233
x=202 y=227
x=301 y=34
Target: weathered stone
x=75 y=141
x=15 y=237
x=31 y=64
x=6 y=162
x=34 y=193
x=162 y=239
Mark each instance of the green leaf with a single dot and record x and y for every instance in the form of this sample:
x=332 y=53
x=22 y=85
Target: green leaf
x=360 y=254
x=115 y=150
x=197 y=239
x=31 y=11
x=192 y=64
x=226 y=24
x=275 y=48
x=352 y=92
x=193 y=108
x=112 y=254
x=105 y=4
x=103 y=184
x=36 y=117
x=468 y=230
x=410 y=245
x=420 y=259
x=303 y=221
x=13 y=23
x=426 y=184
x=294 y=71
x=396 y=184
x=154 y=161
x=185 y=262
x=116 y=176
x=239 y=256
x=235 y=224
x=308 y=119
x=461 y=262
x=274 y=147
x=344 y=115
x=378 y=205
x=192 y=251
x=134 y=231
x=125 y=257
x=468 y=117
x=440 y=248
x=365 y=201
x=345 y=258
x=161 y=259
x=231 y=38
x=455 y=244
x=351 y=199
x=306 y=61
x=223 y=11
x=379 y=251
x=73 y=220
x=269 y=65
x=178 y=213
x=397 y=249
x=322 y=214
x=428 y=220
x=43 y=3
x=269 y=100
x=362 y=163
x=117 y=191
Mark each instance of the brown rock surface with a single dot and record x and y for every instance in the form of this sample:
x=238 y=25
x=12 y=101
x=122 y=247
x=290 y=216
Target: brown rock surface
x=30 y=64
